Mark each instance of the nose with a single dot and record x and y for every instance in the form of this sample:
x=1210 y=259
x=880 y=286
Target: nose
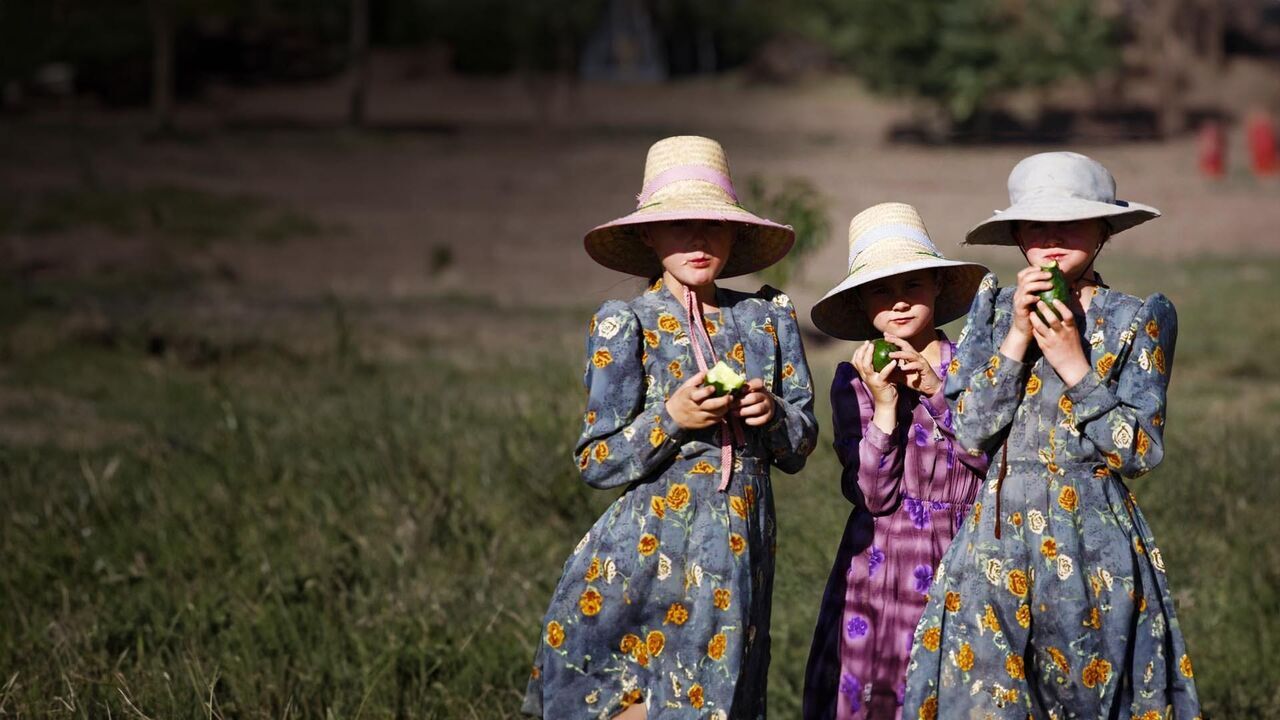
x=901 y=305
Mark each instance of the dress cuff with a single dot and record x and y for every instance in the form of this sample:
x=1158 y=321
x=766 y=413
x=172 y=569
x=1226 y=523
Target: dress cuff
x=879 y=439
x=936 y=404
x=1090 y=398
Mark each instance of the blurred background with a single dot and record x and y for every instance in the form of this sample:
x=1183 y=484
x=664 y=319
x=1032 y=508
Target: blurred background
x=292 y=299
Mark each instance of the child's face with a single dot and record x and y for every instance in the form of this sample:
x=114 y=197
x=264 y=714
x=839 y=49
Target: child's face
x=1072 y=244
x=693 y=251
x=901 y=305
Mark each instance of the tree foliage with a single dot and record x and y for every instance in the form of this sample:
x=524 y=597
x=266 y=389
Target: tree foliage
x=961 y=53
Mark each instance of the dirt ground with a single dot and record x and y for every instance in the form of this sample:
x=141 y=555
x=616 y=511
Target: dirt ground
x=463 y=198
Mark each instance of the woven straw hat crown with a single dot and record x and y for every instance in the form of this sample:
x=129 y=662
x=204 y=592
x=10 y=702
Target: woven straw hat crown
x=885 y=240
x=686 y=177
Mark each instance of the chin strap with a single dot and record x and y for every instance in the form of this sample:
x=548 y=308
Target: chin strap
x=730 y=432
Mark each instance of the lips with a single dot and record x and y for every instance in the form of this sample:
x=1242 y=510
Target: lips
x=700 y=262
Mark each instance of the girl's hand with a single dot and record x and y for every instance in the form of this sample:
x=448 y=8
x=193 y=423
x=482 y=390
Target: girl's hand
x=757 y=406
x=1031 y=282
x=693 y=406
x=917 y=372
x=1059 y=340
x=883 y=392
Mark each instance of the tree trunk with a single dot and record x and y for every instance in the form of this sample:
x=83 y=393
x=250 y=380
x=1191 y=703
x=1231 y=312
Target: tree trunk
x=162 y=53
x=359 y=52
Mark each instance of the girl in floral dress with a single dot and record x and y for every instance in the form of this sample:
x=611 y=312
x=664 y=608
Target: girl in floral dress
x=1053 y=602
x=663 y=607
x=910 y=485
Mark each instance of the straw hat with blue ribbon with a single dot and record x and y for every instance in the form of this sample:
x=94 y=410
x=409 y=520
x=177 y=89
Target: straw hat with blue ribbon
x=885 y=240
x=687 y=178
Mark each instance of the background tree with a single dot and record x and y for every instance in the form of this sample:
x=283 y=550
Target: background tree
x=959 y=55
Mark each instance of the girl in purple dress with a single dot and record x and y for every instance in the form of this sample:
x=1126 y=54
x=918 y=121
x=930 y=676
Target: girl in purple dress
x=909 y=483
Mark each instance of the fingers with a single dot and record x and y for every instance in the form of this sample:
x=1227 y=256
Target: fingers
x=906 y=346
x=882 y=377
x=700 y=394
x=755 y=385
x=758 y=420
x=1064 y=312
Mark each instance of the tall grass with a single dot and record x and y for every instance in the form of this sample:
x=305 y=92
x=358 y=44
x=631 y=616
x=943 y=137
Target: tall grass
x=272 y=534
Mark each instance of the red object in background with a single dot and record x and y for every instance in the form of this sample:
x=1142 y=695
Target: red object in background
x=1213 y=149
x=1261 y=134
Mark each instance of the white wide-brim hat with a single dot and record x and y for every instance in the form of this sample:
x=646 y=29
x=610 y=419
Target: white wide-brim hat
x=891 y=239
x=687 y=178
x=1059 y=187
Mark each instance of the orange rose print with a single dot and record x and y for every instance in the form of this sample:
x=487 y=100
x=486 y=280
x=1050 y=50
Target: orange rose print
x=648 y=543
x=1049 y=548
x=555 y=634
x=989 y=620
x=593 y=570
x=632 y=697
x=929 y=708
x=695 y=697
x=674 y=369
x=590 y=602
x=600 y=452
x=1016 y=519
x=656 y=286
x=1065 y=405
x=629 y=643
x=1067 y=499
x=768 y=328
x=1113 y=459
x=641 y=656
x=1060 y=660
x=1184 y=664
x=788 y=370
x=1096 y=672
x=584 y=459
x=677 y=496
x=716 y=646
x=1013 y=665
x=964 y=658
x=1095 y=619
x=658 y=505
x=1143 y=442
x=750 y=493
x=651 y=338
x=1024 y=615
x=737 y=543
x=1153 y=330
x=591 y=417
x=710 y=325
x=954 y=366
x=668 y=323
x=655 y=641
x=931 y=639
x=739 y=506
x=952 y=602
x=1033 y=385
x=1158 y=357
x=721 y=598
x=601 y=358
x=677 y=614
x=657 y=436
x=1017 y=583
x=739 y=354
x=702 y=467
x=1104 y=364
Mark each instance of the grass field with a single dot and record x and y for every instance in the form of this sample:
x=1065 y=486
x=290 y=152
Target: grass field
x=267 y=522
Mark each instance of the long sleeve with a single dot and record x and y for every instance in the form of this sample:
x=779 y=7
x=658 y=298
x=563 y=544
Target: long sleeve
x=983 y=386
x=793 y=433
x=944 y=419
x=1127 y=424
x=627 y=432
x=872 y=458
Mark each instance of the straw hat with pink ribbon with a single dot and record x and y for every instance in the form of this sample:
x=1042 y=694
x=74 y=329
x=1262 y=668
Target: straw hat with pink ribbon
x=687 y=178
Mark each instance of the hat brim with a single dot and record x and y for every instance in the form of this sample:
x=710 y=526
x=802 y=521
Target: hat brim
x=759 y=243
x=840 y=312
x=996 y=230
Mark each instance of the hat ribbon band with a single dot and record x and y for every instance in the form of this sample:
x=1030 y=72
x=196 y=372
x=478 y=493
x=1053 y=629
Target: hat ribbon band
x=686 y=172
x=876 y=234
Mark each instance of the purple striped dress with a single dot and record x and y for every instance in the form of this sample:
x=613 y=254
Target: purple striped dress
x=910 y=490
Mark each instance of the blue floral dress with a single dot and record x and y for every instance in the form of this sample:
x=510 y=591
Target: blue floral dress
x=666 y=599
x=1064 y=610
